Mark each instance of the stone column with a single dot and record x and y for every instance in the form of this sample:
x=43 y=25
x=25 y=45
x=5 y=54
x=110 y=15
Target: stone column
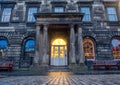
x=119 y=8
x=45 y=45
x=72 y=45
x=80 y=45
x=36 y=58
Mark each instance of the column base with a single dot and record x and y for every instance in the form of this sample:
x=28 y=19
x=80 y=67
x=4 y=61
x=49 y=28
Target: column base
x=76 y=68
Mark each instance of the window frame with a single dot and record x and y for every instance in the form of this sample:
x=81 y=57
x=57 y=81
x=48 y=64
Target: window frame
x=31 y=14
x=6 y=5
x=58 y=4
x=85 y=14
x=4 y=15
x=112 y=4
x=108 y=14
x=31 y=5
x=86 y=4
x=59 y=7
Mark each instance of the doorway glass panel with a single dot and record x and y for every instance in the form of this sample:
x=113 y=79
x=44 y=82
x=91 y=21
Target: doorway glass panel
x=59 y=53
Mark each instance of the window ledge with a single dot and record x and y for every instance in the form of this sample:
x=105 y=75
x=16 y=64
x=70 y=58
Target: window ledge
x=87 y=23
x=113 y=23
x=4 y=23
x=30 y=23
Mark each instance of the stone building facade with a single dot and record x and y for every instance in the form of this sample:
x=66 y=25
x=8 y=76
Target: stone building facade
x=59 y=32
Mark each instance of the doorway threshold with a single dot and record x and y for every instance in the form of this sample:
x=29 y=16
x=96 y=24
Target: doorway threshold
x=59 y=69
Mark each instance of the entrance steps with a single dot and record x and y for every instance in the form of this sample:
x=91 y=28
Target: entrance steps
x=59 y=69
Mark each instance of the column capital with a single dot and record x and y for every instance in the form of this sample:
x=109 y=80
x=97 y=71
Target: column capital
x=38 y=26
x=79 y=31
x=45 y=25
x=71 y=25
x=80 y=28
x=79 y=25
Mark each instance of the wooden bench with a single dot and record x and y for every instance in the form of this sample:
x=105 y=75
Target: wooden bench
x=6 y=65
x=106 y=63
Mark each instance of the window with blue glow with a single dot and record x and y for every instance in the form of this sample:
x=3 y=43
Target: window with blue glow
x=30 y=46
x=86 y=11
x=59 y=9
x=112 y=15
x=31 y=11
x=6 y=14
x=3 y=45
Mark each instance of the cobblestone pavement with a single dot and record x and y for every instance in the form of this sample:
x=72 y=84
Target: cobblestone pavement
x=62 y=79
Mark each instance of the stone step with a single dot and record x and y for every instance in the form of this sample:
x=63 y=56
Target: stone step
x=59 y=68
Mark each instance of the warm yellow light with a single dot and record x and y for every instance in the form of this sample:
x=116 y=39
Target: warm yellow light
x=59 y=42
x=58 y=48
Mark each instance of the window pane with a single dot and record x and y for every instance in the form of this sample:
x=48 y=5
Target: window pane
x=58 y=9
x=86 y=12
x=111 y=10
x=30 y=46
x=6 y=14
x=86 y=18
x=3 y=45
x=31 y=11
x=112 y=16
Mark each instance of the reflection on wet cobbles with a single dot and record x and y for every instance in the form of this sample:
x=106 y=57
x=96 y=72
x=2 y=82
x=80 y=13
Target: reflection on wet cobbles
x=63 y=78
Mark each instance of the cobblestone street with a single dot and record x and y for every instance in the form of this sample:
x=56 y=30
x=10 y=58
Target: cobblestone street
x=62 y=79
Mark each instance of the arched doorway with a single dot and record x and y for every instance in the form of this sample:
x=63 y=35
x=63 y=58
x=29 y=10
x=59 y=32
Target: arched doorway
x=59 y=53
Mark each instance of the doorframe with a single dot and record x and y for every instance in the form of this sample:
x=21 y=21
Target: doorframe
x=58 y=46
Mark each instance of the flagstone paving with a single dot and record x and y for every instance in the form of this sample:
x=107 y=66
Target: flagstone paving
x=62 y=79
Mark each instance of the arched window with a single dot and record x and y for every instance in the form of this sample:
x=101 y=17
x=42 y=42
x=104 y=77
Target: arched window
x=29 y=47
x=116 y=48
x=3 y=44
x=88 y=47
x=3 y=47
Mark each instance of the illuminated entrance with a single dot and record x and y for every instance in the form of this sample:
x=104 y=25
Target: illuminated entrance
x=59 y=53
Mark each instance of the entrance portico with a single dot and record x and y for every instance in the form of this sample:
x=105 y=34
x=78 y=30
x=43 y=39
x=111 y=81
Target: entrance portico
x=58 y=51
